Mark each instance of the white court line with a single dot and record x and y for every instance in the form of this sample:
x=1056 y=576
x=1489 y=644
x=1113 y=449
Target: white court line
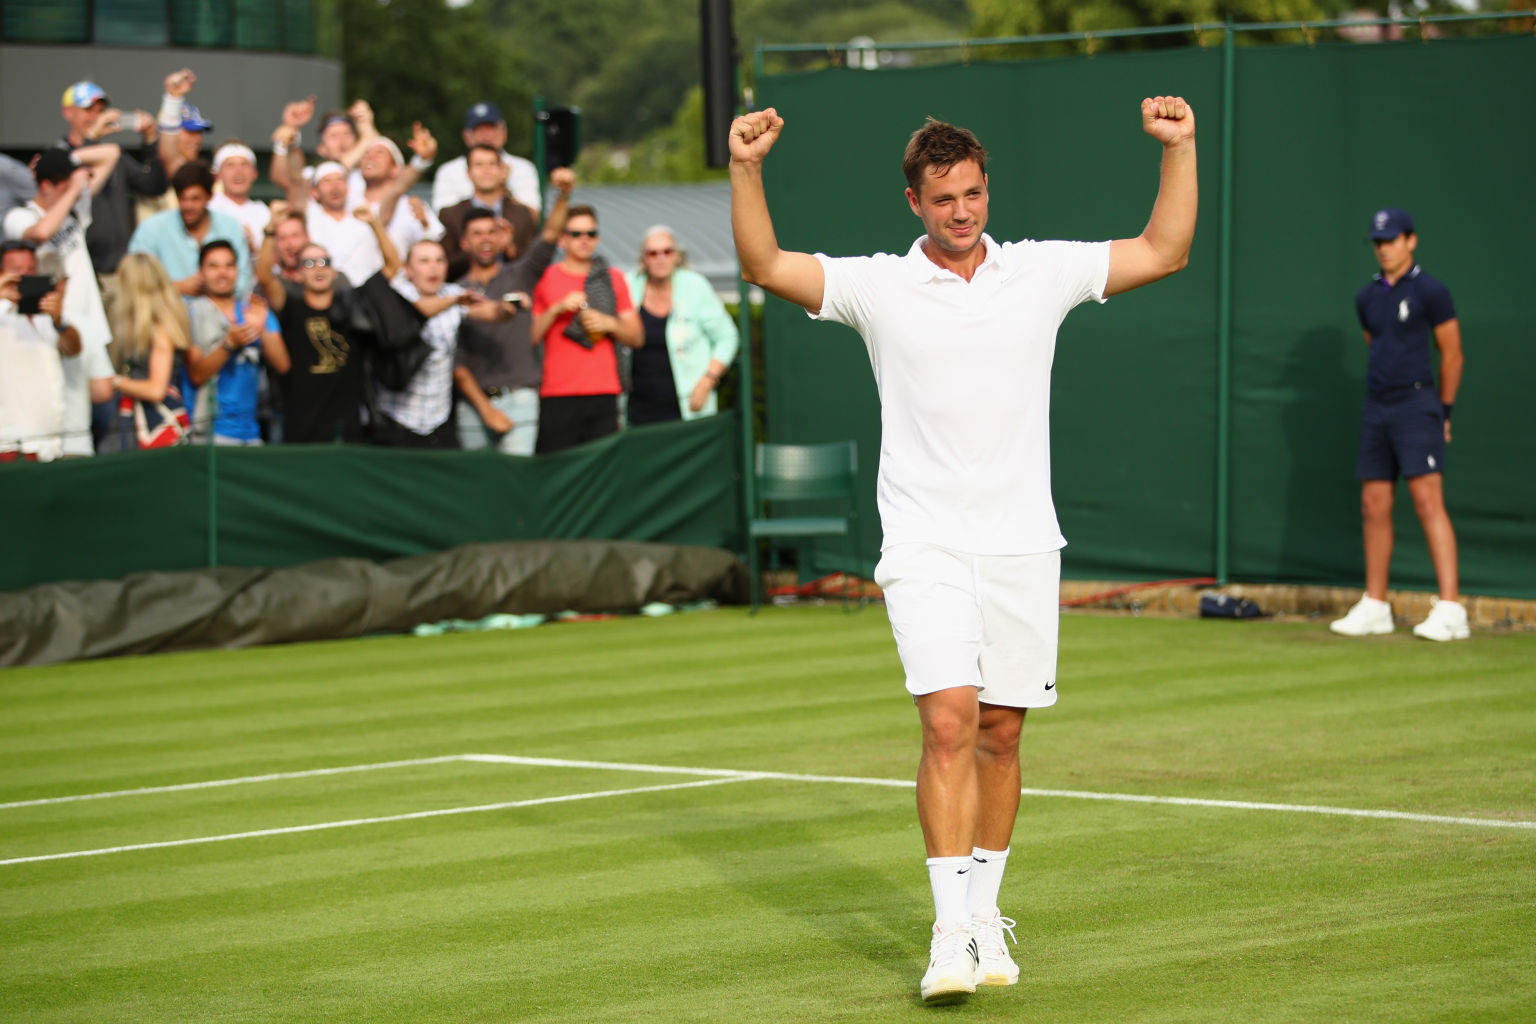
x=242 y=780
x=1070 y=794
x=715 y=776
x=412 y=816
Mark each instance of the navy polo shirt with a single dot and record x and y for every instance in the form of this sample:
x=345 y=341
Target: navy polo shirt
x=1401 y=319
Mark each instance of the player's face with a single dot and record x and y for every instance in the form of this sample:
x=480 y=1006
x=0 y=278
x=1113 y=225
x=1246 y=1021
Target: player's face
x=220 y=271
x=1396 y=254
x=952 y=205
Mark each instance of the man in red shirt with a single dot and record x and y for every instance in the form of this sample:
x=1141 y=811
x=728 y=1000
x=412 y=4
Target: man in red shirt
x=581 y=306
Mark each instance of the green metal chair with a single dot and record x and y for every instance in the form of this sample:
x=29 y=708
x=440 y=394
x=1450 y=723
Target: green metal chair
x=788 y=473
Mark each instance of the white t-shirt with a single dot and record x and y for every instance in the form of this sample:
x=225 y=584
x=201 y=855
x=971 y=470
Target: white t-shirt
x=82 y=310
x=253 y=214
x=353 y=249
x=31 y=384
x=964 y=375
x=452 y=185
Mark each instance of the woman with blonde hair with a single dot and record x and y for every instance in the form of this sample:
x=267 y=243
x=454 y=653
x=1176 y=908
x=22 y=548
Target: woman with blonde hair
x=151 y=343
x=690 y=340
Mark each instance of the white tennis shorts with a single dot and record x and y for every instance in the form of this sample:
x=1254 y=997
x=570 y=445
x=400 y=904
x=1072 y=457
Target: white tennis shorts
x=988 y=621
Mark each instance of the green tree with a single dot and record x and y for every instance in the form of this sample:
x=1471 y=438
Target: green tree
x=421 y=60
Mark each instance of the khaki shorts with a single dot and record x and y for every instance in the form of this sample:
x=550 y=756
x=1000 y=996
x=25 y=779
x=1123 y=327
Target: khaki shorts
x=988 y=621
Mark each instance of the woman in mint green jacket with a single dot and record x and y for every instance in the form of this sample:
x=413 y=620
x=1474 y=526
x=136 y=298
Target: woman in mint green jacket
x=690 y=339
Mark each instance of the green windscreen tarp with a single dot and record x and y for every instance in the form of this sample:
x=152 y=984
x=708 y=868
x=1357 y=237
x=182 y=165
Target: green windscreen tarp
x=1322 y=136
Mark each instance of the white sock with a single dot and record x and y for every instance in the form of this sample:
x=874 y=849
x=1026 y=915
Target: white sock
x=986 y=879
x=950 y=878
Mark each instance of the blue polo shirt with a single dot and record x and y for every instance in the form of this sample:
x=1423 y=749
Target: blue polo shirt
x=1401 y=319
x=165 y=237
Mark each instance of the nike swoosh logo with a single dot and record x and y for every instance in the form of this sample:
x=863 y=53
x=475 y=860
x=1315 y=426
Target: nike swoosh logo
x=962 y=871
x=1050 y=686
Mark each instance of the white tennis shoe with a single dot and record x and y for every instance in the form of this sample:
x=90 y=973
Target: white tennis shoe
x=1369 y=617
x=994 y=965
x=1447 y=621
x=951 y=964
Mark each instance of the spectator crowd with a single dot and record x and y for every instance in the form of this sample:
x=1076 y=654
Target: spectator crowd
x=147 y=298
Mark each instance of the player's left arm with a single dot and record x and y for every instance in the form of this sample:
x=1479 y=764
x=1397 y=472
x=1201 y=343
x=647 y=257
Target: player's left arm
x=1448 y=340
x=1162 y=248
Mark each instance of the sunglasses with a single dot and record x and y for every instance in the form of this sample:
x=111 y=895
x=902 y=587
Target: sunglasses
x=660 y=252
x=311 y=264
x=582 y=234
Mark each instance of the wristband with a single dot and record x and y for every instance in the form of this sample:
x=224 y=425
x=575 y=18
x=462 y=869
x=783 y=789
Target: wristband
x=170 y=113
x=419 y=163
x=279 y=149
x=1448 y=406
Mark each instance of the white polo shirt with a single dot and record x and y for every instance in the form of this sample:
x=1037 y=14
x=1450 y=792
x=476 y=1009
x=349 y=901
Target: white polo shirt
x=963 y=369
x=352 y=245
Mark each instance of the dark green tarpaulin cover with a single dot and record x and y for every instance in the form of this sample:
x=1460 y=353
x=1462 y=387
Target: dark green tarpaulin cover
x=188 y=508
x=346 y=597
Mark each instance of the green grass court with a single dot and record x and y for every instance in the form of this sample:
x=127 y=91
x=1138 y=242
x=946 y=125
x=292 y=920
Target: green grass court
x=426 y=886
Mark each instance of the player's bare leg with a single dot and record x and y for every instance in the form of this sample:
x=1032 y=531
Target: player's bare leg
x=997 y=783
x=946 y=809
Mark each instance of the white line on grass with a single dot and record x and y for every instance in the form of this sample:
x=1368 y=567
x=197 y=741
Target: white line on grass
x=414 y=815
x=242 y=780
x=715 y=776
x=1070 y=794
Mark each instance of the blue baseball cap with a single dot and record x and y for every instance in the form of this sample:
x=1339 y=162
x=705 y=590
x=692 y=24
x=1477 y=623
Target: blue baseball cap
x=482 y=113
x=1389 y=223
x=83 y=94
x=192 y=120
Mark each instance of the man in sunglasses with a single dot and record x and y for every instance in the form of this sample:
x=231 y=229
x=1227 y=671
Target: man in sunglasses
x=323 y=388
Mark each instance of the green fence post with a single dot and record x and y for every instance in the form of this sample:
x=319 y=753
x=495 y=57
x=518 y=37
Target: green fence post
x=1224 y=304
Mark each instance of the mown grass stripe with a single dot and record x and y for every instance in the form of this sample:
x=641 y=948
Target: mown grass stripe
x=380 y=820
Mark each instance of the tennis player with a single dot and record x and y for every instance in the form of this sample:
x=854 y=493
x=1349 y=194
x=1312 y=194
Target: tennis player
x=961 y=332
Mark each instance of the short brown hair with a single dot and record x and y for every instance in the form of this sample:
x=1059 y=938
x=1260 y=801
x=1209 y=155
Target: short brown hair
x=939 y=145
x=581 y=210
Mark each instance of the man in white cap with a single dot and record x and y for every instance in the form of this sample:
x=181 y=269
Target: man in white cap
x=484 y=125
x=234 y=165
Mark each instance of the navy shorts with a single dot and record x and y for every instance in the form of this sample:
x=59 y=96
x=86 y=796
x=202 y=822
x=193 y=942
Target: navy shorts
x=1402 y=437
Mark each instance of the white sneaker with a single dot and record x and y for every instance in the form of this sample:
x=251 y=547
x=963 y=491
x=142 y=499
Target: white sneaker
x=1447 y=621
x=1369 y=617
x=993 y=964
x=951 y=964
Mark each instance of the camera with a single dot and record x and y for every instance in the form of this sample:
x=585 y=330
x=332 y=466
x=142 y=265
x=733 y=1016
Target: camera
x=33 y=287
x=518 y=299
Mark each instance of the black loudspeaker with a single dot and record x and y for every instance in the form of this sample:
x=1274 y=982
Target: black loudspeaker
x=561 y=131
x=718 y=41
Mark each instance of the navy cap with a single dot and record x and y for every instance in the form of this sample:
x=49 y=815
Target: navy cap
x=482 y=113
x=1389 y=223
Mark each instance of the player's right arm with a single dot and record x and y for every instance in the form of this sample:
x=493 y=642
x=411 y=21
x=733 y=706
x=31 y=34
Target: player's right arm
x=795 y=276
